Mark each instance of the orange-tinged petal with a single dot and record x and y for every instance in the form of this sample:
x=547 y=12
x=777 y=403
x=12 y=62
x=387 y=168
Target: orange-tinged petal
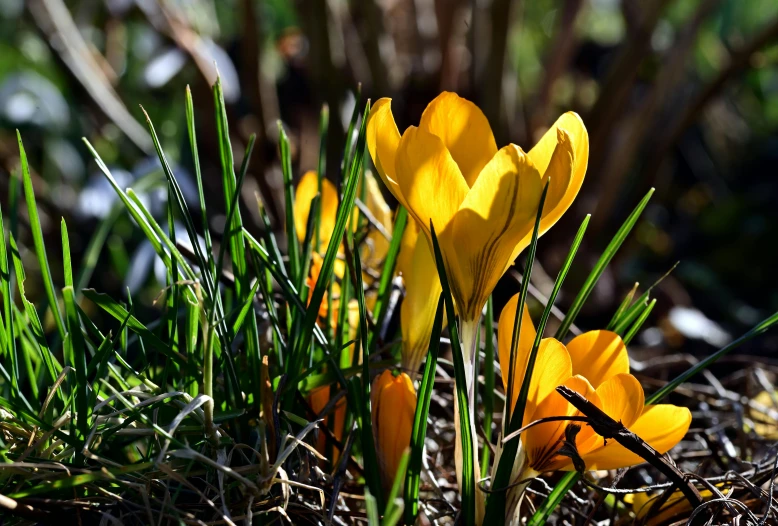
x=429 y=179
x=622 y=399
x=543 y=441
x=505 y=340
x=306 y=190
x=393 y=401
x=318 y=399
x=417 y=313
x=464 y=130
x=662 y=426
x=495 y=215
x=598 y=355
x=383 y=138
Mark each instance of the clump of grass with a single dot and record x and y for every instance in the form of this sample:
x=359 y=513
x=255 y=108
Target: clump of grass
x=202 y=415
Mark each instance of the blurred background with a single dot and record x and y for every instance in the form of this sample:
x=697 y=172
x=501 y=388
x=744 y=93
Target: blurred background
x=681 y=95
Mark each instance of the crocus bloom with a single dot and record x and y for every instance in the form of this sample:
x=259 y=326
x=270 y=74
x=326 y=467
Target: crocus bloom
x=482 y=201
x=596 y=365
x=393 y=401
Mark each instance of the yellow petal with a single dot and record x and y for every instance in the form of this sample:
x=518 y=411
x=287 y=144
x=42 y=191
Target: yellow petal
x=306 y=190
x=561 y=155
x=429 y=179
x=622 y=399
x=543 y=441
x=662 y=426
x=383 y=138
x=552 y=365
x=598 y=355
x=393 y=407
x=542 y=152
x=376 y=244
x=464 y=130
x=495 y=215
x=417 y=313
x=407 y=247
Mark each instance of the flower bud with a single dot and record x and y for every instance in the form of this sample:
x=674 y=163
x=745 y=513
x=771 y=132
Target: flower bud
x=393 y=401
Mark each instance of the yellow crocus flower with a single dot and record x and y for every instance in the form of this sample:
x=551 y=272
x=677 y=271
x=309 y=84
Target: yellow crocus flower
x=596 y=365
x=393 y=400
x=482 y=201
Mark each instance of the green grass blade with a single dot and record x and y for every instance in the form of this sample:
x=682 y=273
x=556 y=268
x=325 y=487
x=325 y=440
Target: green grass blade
x=518 y=413
x=488 y=398
x=394 y=506
x=369 y=458
x=350 y=132
x=235 y=200
x=245 y=309
x=600 y=266
x=190 y=128
x=630 y=314
x=626 y=302
x=8 y=312
x=467 y=439
x=97 y=241
x=321 y=167
x=52 y=365
x=639 y=322
x=80 y=366
x=555 y=497
x=496 y=502
x=760 y=328
x=301 y=349
x=371 y=504
x=419 y=431
x=113 y=308
x=387 y=273
x=37 y=237
x=292 y=245
x=66 y=263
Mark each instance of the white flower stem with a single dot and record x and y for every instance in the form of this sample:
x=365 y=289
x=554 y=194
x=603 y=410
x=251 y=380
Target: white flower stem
x=468 y=331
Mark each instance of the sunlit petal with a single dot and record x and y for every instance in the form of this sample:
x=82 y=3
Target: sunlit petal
x=494 y=216
x=383 y=138
x=621 y=398
x=429 y=179
x=598 y=355
x=464 y=130
x=544 y=440
x=661 y=426
x=555 y=157
x=306 y=190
